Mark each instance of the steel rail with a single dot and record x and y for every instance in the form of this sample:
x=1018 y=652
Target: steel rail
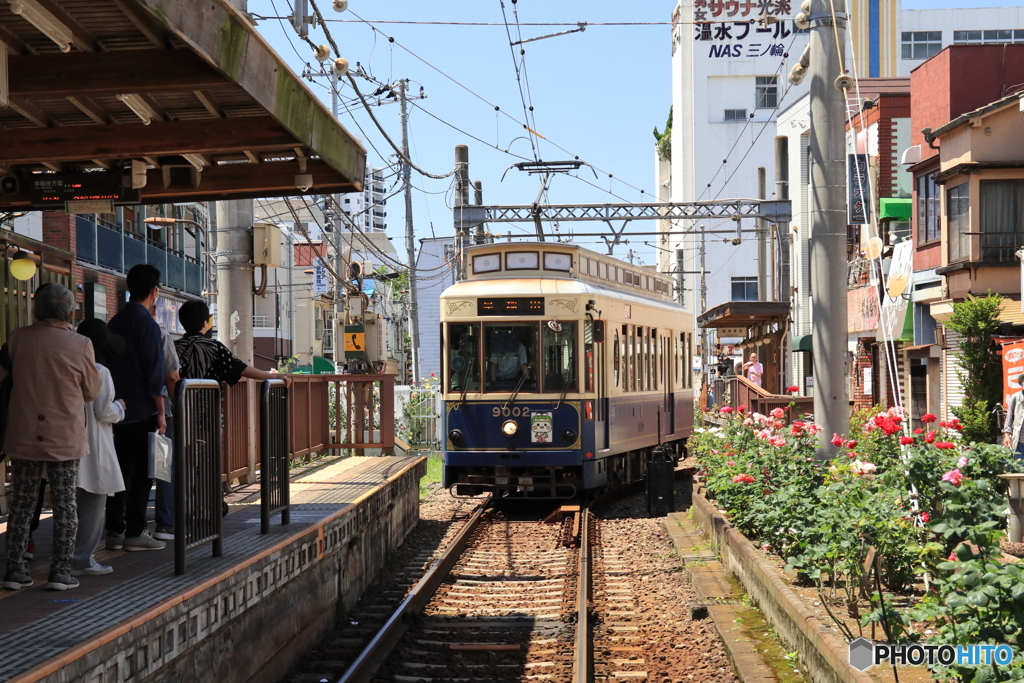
x=583 y=664
x=370 y=659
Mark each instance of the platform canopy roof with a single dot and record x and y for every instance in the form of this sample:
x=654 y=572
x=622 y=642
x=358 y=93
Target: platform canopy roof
x=174 y=85
x=743 y=314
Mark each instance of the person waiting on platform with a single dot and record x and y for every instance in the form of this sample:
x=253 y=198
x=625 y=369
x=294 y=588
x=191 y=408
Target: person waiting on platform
x=753 y=369
x=507 y=360
x=203 y=358
x=99 y=473
x=54 y=377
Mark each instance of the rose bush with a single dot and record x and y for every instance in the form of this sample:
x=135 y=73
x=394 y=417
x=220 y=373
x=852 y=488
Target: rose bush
x=916 y=498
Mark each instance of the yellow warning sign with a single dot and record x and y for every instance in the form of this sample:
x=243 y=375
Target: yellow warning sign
x=355 y=341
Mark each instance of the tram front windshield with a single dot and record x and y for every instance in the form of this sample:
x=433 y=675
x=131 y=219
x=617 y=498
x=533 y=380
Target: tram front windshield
x=511 y=356
x=530 y=357
x=464 y=357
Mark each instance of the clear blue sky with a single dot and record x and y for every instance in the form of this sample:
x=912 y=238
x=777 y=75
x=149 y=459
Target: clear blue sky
x=597 y=94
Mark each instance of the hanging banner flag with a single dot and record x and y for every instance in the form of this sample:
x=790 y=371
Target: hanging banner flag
x=321 y=283
x=858 y=206
x=1013 y=367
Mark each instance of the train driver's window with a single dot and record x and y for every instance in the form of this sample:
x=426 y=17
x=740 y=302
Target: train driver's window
x=615 y=357
x=464 y=357
x=559 y=356
x=511 y=356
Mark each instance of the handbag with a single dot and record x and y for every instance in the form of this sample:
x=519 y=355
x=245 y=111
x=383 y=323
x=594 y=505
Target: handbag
x=160 y=456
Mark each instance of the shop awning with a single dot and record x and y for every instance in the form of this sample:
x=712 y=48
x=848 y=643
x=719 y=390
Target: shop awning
x=895 y=209
x=1010 y=312
x=801 y=342
x=743 y=313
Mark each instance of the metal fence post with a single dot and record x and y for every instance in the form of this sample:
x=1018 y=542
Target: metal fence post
x=197 y=468
x=275 y=446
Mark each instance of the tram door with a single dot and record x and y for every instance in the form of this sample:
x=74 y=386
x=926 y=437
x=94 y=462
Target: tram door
x=601 y=407
x=668 y=366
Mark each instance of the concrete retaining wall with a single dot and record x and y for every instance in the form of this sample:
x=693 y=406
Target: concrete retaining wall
x=251 y=623
x=824 y=654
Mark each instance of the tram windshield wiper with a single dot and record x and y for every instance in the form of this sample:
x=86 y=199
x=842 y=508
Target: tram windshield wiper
x=465 y=382
x=526 y=373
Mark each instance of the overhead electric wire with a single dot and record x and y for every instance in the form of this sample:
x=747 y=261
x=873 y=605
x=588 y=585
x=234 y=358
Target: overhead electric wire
x=495 y=107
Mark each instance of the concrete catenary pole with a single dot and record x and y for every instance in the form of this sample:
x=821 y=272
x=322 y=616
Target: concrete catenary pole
x=462 y=185
x=234 y=270
x=410 y=237
x=781 y=193
x=762 y=240
x=478 y=199
x=828 y=218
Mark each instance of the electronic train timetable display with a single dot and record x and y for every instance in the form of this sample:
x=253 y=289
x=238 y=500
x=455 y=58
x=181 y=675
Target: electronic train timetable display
x=523 y=305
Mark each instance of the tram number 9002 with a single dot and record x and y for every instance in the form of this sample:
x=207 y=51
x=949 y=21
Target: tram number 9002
x=497 y=411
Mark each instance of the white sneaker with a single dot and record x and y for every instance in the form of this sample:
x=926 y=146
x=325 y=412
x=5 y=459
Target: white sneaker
x=143 y=542
x=95 y=569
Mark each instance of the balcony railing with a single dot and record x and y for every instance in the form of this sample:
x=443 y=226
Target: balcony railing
x=1000 y=247
x=119 y=250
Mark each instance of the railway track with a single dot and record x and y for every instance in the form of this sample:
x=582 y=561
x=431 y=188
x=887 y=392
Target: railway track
x=506 y=601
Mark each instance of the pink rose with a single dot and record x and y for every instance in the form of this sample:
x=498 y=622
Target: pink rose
x=954 y=477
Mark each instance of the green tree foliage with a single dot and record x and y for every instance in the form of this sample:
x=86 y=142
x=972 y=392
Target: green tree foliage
x=976 y=319
x=664 y=139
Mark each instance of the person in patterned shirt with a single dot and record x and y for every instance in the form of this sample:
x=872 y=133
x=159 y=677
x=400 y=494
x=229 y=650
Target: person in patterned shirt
x=203 y=358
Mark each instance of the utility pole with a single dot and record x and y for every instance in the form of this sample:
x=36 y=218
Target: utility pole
x=478 y=199
x=234 y=257
x=828 y=217
x=461 y=200
x=410 y=238
x=782 y=193
x=704 y=350
x=762 y=241
x=340 y=303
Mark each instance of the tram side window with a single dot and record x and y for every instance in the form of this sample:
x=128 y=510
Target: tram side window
x=560 y=357
x=631 y=368
x=511 y=358
x=463 y=357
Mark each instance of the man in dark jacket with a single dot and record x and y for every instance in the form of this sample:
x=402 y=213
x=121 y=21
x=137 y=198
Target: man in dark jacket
x=138 y=375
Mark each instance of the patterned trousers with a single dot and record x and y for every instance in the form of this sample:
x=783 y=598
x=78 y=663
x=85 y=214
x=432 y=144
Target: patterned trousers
x=63 y=476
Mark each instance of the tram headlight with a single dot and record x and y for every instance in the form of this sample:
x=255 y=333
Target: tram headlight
x=509 y=428
x=569 y=435
x=455 y=436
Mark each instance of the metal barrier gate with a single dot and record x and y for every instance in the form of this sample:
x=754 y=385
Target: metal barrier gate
x=198 y=498
x=274 y=452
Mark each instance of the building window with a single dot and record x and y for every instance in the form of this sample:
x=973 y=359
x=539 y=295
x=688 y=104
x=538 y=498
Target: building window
x=767 y=90
x=735 y=114
x=927 y=209
x=921 y=44
x=744 y=289
x=1002 y=219
x=958 y=204
x=1005 y=35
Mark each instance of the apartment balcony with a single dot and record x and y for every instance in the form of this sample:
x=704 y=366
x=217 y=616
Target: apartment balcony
x=111 y=247
x=380 y=214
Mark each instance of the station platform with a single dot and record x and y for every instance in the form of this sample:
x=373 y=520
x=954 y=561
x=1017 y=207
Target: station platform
x=244 y=616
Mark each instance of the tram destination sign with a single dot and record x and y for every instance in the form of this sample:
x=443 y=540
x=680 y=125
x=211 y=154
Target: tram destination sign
x=510 y=306
x=51 y=190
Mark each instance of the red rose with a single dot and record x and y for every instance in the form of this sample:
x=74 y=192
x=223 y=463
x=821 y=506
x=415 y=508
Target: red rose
x=906 y=440
x=742 y=409
x=925 y=517
x=851 y=444
x=919 y=431
x=793 y=389
x=945 y=444
x=726 y=409
x=930 y=437
x=928 y=417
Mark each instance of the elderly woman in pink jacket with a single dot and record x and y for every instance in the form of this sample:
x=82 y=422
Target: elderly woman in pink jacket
x=55 y=375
